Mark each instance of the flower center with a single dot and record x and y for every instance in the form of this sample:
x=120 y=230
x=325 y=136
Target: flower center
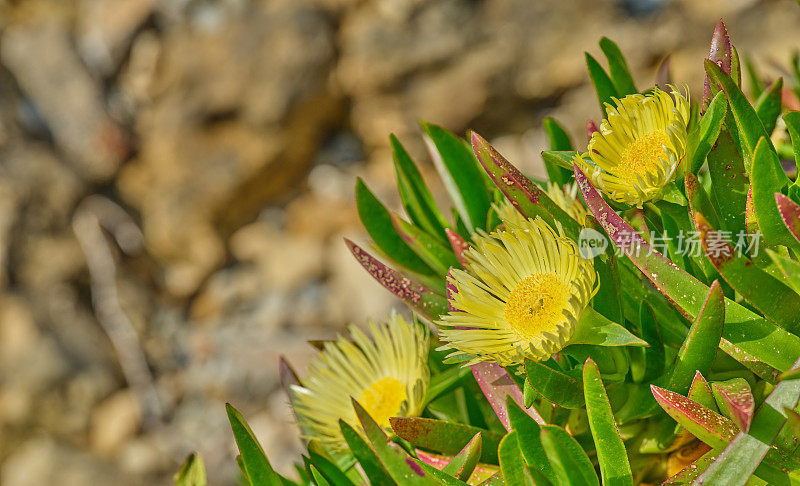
x=383 y=399
x=642 y=156
x=535 y=305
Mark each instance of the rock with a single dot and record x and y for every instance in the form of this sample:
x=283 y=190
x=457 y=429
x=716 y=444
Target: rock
x=114 y=422
x=79 y=123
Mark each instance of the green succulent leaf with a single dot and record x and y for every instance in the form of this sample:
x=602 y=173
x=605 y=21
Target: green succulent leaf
x=790 y=214
x=614 y=466
x=370 y=463
x=654 y=353
x=703 y=136
x=602 y=83
x=433 y=252
x=192 y=472
x=721 y=53
x=461 y=175
x=735 y=401
x=593 y=328
x=529 y=440
x=554 y=385
x=445 y=437
x=618 y=68
x=498 y=386
x=329 y=470
x=767 y=177
x=417 y=199
x=729 y=183
x=768 y=105
x=256 y=467
x=464 y=462
x=378 y=222
x=789 y=268
x=512 y=464
x=700 y=392
x=705 y=424
x=559 y=140
x=570 y=463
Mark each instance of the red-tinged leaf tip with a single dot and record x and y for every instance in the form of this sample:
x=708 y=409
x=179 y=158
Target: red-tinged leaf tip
x=750 y=222
x=738 y=401
x=412 y=464
x=433 y=460
x=720 y=53
x=591 y=127
x=503 y=173
x=397 y=221
x=497 y=386
x=459 y=245
x=720 y=429
x=287 y=374
x=790 y=213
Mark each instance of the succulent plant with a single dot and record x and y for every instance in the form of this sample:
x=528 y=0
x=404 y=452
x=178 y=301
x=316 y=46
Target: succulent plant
x=541 y=354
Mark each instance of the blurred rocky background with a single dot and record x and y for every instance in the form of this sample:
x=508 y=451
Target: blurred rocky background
x=176 y=177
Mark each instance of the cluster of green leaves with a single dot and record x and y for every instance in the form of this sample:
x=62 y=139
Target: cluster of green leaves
x=675 y=348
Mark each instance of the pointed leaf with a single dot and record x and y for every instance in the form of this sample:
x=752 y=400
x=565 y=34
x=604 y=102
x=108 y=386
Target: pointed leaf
x=747 y=121
x=790 y=214
x=192 y=472
x=555 y=385
x=766 y=178
x=704 y=135
x=768 y=105
x=559 y=140
x=700 y=392
x=720 y=53
x=529 y=440
x=614 y=466
x=329 y=470
x=735 y=401
x=620 y=74
x=444 y=437
x=370 y=463
x=257 y=468
x=567 y=457
x=429 y=249
x=520 y=191
x=497 y=385
x=378 y=223
x=693 y=471
x=789 y=268
x=705 y=424
x=602 y=83
x=464 y=462
x=459 y=246
x=512 y=465
x=593 y=328
x=461 y=175
x=420 y=299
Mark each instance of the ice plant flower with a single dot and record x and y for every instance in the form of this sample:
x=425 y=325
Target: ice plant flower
x=385 y=370
x=639 y=145
x=566 y=198
x=523 y=295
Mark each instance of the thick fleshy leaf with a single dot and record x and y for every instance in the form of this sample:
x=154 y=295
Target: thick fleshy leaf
x=433 y=252
x=593 y=328
x=705 y=424
x=766 y=178
x=618 y=68
x=790 y=214
x=704 y=134
x=768 y=105
x=444 y=437
x=402 y=468
x=699 y=349
x=497 y=385
x=747 y=122
x=720 y=53
x=366 y=457
x=464 y=462
x=602 y=83
x=792 y=121
x=423 y=301
x=729 y=183
x=378 y=222
x=459 y=246
x=698 y=200
x=461 y=175
x=555 y=385
x=329 y=470
x=529 y=440
x=767 y=294
x=512 y=464
x=481 y=472
x=787 y=267
x=521 y=191
x=654 y=353
x=569 y=461
x=700 y=392
x=746 y=337
x=192 y=472
x=257 y=468
x=417 y=199
x=611 y=454
x=742 y=457
x=559 y=140
x=735 y=401
x=693 y=471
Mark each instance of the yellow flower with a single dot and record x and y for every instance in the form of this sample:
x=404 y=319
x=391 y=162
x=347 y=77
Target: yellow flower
x=566 y=198
x=638 y=147
x=523 y=295
x=385 y=370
